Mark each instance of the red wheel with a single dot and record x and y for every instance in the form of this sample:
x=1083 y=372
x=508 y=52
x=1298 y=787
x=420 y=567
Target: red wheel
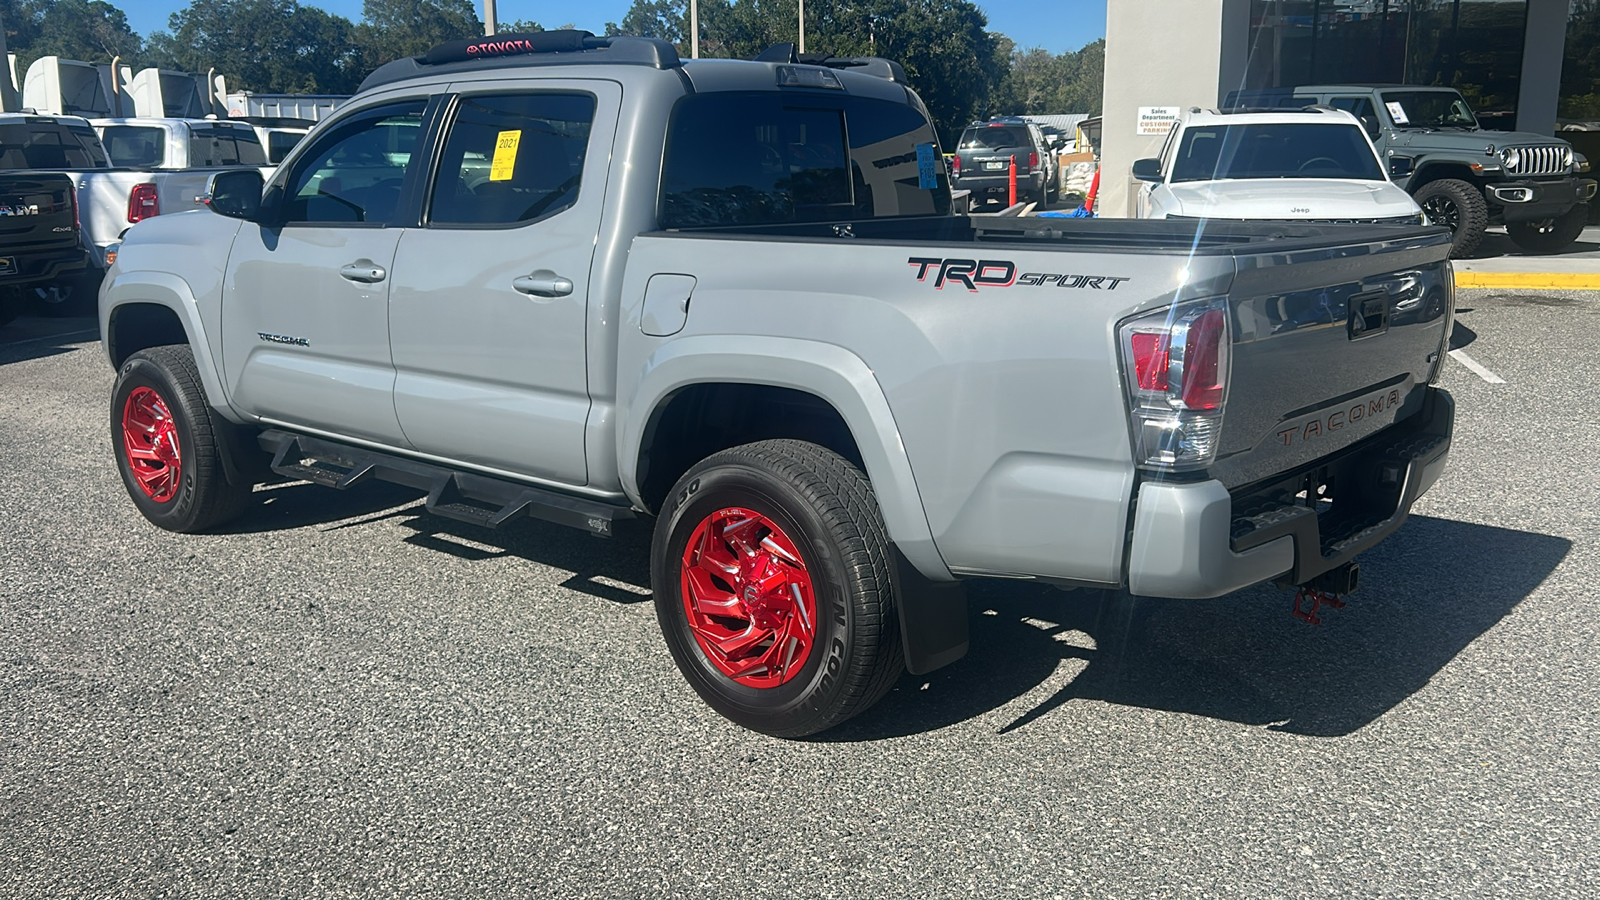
x=169 y=447
x=771 y=572
x=748 y=598
x=150 y=439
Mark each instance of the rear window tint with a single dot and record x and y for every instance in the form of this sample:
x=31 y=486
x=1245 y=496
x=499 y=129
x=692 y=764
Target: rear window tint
x=770 y=157
x=993 y=137
x=212 y=146
x=49 y=145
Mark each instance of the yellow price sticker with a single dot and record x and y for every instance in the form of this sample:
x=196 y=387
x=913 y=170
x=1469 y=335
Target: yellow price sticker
x=505 y=156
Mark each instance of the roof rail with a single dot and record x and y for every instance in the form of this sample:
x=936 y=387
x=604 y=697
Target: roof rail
x=876 y=66
x=541 y=48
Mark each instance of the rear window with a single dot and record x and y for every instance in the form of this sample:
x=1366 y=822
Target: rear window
x=217 y=146
x=49 y=145
x=994 y=137
x=279 y=143
x=134 y=145
x=1275 y=150
x=769 y=157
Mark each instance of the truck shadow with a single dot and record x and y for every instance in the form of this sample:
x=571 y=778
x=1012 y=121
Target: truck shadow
x=1429 y=591
x=33 y=337
x=615 y=569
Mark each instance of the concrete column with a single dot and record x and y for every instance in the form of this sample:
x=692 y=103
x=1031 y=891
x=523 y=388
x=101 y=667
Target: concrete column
x=1543 y=47
x=1178 y=53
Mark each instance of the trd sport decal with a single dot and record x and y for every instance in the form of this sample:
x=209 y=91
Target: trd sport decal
x=1000 y=273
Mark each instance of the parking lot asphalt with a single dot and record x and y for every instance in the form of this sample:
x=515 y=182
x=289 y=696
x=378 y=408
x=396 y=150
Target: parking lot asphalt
x=343 y=696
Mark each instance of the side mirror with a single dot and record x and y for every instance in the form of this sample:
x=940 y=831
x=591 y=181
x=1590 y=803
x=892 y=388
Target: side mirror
x=1401 y=166
x=1147 y=170
x=235 y=194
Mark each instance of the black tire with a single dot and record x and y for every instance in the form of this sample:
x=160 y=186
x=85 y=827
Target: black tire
x=1552 y=236
x=1460 y=207
x=10 y=305
x=78 y=295
x=826 y=508
x=201 y=497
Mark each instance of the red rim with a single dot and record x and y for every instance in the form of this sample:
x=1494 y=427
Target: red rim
x=749 y=598
x=150 y=438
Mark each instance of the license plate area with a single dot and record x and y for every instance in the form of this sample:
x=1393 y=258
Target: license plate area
x=993 y=165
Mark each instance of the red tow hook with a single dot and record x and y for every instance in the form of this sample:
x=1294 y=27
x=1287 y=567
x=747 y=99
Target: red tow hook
x=1308 y=600
x=1328 y=589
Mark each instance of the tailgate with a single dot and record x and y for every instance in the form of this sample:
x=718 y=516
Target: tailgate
x=36 y=218
x=1330 y=346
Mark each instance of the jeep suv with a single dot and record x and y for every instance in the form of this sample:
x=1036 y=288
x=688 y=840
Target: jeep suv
x=982 y=163
x=1462 y=175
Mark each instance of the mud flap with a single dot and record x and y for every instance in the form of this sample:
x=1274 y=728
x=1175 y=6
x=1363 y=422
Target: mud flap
x=933 y=617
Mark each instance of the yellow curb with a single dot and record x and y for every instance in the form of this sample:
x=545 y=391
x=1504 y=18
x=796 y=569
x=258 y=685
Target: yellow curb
x=1570 y=280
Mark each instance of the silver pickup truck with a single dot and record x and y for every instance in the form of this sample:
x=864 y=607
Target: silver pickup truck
x=580 y=279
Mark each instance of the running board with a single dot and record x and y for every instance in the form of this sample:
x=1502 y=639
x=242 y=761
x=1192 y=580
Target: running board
x=463 y=496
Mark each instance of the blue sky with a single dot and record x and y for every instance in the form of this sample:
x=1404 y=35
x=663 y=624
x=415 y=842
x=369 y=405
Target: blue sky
x=1056 y=26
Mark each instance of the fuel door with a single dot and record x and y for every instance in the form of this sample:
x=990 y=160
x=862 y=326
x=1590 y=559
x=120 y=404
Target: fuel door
x=666 y=304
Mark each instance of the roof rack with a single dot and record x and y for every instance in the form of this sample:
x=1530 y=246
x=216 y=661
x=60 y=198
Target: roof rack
x=877 y=66
x=542 y=48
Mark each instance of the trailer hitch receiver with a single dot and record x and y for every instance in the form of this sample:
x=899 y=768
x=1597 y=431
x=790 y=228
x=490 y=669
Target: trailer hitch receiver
x=1327 y=589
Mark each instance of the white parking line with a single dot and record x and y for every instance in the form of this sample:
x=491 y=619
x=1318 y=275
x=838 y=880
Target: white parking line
x=65 y=338
x=1477 y=368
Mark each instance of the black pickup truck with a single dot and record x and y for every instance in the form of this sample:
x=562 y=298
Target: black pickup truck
x=40 y=241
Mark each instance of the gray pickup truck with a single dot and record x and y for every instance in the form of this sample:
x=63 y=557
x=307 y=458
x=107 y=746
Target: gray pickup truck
x=1464 y=177
x=580 y=279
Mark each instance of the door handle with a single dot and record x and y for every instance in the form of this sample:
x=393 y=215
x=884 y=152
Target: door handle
x=363 y=271
x=543 y=283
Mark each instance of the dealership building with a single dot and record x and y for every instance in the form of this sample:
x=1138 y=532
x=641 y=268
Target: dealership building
x=1532 y=65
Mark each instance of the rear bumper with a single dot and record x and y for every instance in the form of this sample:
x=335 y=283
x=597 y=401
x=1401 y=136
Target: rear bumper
x=1029 y=181
x=34 y=267
x=1197 y=540
x=1533 y=200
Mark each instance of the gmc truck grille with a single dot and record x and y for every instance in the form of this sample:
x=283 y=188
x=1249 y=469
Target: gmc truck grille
x=1539 y=161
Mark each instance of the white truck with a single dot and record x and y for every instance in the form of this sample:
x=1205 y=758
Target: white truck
x=1309 y=165
x=111 y=198
x=152 y=143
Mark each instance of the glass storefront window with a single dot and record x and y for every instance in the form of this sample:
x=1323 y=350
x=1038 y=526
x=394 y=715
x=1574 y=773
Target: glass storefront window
x=1474 y=46
x=1580 y=70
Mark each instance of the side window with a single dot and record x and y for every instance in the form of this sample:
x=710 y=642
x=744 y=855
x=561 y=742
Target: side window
x=355 y=172
x=750 y=159
x=279 y=143
x=511 y=158
x=135 y=145
x=1361 y=108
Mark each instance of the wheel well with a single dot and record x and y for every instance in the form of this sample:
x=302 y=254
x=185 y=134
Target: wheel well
x=1438 y=171
x=137 y=326
x=701 y=419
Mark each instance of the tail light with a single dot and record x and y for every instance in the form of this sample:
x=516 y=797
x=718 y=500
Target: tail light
x=1033 y=161
x=1176 y=364
x=143 y=203
x=955 y=164
x=77 y=220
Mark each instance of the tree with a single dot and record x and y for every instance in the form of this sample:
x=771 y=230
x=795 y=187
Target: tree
x=276 y=46
x=90 y=30
x=394 y=29
x=953 y=61
x=1040 y=82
